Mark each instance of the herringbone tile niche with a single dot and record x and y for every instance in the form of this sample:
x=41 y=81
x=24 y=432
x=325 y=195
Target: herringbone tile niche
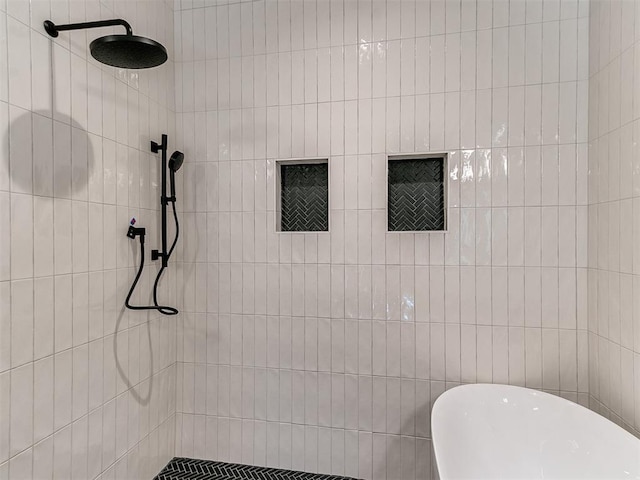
x=416 y=197
x=303 y=196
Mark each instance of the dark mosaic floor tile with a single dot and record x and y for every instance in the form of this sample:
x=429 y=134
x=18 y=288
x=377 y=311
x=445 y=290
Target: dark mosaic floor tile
x=191 y=469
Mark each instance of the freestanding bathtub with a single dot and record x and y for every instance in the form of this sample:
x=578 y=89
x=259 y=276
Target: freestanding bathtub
x=486 y=431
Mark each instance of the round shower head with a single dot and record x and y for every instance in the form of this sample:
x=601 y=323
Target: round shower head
x=124 y=51
x=128 y=51
x=175 y=162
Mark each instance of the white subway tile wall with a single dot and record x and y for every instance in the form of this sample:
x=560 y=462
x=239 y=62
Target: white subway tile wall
x=87 y=389
x=325 y=351
x=320 y=352
x=614 y=212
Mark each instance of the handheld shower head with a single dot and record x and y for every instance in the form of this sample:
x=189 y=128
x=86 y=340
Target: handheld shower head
x=175 y=162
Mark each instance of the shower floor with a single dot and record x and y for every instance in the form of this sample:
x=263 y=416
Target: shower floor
x=191 y=469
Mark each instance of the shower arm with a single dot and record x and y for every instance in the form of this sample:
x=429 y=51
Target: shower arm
x=53 y=29
x=164 y=201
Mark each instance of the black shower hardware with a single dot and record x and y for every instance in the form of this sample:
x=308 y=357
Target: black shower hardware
x=174 y=165
x=124 y=51
x=134 y=232
x=175 y=162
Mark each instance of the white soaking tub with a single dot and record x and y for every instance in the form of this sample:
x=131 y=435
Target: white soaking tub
x=486 y=431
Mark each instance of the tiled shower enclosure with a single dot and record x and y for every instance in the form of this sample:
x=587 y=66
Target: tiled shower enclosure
x=316 y=342
x=324 y=351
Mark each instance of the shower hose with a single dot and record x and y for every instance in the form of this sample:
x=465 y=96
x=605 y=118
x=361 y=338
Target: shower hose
x=161 y=308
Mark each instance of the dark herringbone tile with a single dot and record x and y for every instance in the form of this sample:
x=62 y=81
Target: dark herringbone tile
x=191 y=469
x=416 y=194
x=304 y=197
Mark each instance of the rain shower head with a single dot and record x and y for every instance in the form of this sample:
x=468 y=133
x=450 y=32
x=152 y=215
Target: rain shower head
x=128 y=51
x=175 y=162
x=123 y=50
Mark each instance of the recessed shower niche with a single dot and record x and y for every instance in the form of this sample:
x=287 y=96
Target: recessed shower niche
x=417 y=193
x=303 y=196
